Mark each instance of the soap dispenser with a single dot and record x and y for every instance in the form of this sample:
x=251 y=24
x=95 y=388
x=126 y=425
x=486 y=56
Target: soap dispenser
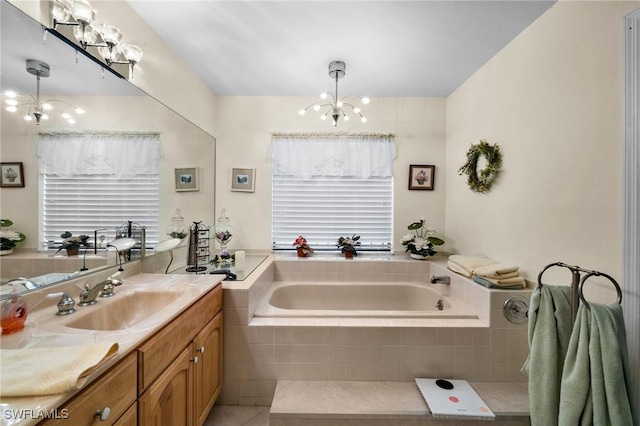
x=14 y=312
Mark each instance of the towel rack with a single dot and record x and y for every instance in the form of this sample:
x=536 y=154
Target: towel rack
x=577 y=283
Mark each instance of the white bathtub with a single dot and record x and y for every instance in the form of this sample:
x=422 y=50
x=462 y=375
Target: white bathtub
x=359 y=300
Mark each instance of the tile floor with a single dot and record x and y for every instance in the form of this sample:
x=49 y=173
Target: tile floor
x=238 y=415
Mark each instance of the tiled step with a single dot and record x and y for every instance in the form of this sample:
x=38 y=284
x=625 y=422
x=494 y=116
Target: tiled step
x=354 y=403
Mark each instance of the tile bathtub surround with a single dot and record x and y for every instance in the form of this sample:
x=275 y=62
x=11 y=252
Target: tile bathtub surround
x=256 y=356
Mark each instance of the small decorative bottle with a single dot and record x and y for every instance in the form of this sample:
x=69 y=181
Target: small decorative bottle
x=177 y=229
x=223 y=230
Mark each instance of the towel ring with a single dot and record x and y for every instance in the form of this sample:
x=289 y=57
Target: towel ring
x=560 y=264
x=595 y=273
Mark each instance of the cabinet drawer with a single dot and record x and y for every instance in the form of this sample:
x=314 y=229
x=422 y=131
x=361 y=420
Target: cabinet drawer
x=129 y=418
x=158 y=352
x=116 y=389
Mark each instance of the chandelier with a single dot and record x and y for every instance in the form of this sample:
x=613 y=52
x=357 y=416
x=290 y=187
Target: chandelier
x=107 y=39
x=36 y=108
x=333 y=106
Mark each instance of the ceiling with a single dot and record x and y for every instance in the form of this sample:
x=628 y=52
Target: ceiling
x=391 y=48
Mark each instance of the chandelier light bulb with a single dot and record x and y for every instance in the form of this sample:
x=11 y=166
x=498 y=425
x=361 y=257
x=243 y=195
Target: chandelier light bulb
x=44 y=117
x=46 y=106
x=10 y=94
x=316 y=107
x=11 y=108
x=71 y=121
x=365 y=101
x=59 y=12
x=66 y=116
x=346 y=117
x=83 y=12
x=324 y=117
x=79 y=110
x=28 y=117
x=323 y=95
x=363 y=119
x=111 y=35
x=356 y=110
x=302 y=111
x=11 y=102
x=339 y=104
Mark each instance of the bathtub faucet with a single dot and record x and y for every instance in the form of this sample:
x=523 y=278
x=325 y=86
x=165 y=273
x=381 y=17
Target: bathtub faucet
x=442 y=279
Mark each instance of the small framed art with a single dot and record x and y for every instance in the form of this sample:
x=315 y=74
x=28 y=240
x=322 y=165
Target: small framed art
x=186 y=179
x=421 y=176
x=12 y=175
x=243 y=180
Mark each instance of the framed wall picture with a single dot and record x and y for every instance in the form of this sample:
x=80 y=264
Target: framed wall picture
x=243 y=180
x=12 y=175
x=421 y=176
x=186 y=179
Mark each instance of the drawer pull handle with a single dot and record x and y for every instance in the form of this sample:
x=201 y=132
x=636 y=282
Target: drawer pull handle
x=194 y=359
x=201 y=349
x=103 y=414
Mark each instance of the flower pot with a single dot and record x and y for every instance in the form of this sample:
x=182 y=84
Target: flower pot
x=302 y=253
x=348 y=254
x=6 y=252
x=73 y=251
x=418 y=256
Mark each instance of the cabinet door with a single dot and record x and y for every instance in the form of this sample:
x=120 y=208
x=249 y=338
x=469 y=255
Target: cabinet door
x=208 y=369
x=168 y=402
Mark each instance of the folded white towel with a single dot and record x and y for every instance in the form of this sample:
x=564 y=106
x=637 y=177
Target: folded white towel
x=47 y=371
x=497 y=270
x=466 y=265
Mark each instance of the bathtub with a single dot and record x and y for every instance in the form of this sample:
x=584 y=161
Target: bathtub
x=359 y=300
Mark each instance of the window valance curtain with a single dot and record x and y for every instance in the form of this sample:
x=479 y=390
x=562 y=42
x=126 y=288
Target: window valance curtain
x=69 y=154
x=359 y=156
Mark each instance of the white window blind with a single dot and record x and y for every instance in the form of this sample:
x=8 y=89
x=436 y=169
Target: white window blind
x=85 y=203
x=100 y=182
x=332 y=187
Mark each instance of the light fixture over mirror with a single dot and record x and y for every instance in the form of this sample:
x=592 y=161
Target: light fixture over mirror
x=333 y=106
x=35 y=108
x=106 y=38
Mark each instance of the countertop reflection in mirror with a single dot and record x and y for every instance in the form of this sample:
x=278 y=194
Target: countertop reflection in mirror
x=112 y=105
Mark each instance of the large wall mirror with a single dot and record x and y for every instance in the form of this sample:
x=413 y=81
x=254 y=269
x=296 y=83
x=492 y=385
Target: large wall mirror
x=112 y=105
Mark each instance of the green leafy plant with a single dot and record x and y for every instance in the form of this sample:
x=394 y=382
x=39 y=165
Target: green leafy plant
x=421 y=240
x=349 y=244
x=8 y=238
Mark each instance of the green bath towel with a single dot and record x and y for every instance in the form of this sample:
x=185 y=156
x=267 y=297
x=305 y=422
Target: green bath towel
x=549 y=334
x=596 y=381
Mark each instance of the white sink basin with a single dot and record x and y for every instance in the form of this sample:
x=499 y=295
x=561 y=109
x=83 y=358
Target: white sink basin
x=123 y=312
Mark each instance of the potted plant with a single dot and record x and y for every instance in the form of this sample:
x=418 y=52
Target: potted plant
x=72 y=244
x=9 y=239
x=348 y=245
x=302 y=246
x=420 y=240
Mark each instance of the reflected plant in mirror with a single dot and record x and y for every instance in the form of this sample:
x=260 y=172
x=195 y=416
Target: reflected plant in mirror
x=9 y=238
x=72 y=244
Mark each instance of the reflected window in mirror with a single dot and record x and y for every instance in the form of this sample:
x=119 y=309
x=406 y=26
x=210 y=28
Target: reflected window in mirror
x=97 y=181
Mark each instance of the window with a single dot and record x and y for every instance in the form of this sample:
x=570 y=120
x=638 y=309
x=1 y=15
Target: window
x=93 y=182
x=324 y=187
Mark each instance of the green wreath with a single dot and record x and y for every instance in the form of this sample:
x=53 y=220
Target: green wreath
x=491 y=153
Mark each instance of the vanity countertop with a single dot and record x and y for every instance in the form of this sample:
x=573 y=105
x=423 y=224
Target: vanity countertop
x=44 y=329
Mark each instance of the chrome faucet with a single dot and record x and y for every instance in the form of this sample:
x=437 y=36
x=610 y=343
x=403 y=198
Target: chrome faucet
x=441 y=279
x=110 y=283
x=26 y=282
x=90 y=293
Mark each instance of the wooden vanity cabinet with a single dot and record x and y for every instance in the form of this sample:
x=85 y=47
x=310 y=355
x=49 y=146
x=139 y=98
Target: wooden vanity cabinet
x=110 y=395
x=180 y=368
x=176 y=376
